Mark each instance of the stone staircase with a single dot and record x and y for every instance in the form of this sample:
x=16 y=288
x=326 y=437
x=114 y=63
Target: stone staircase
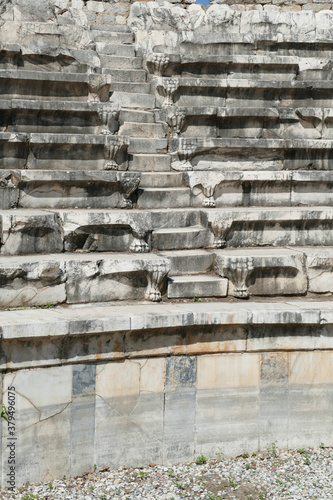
x=212 y=162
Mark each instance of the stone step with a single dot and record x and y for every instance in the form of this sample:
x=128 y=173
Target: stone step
x=194 y=286
x=130 y=100
x=116 y=28
x=64 y=117
x=265 y=66
x=81 y=278
x=74 y=61
x=149 y=162
x=147 y=130
x=113 y=49
x=161 y=179
x=46 y=85
x=36 y=231
x=147 y=146
x=109 y=37
x=126 y=75
x=250 y=122
x=174 y=238
x=119 y=62
x=253 y=271
x=136 y=116
x=261 y=188
x=247 y=92
x=174 y=197
x=184 y=262
x=251 y=154
x=231 y=66
x=63 y=151
x=135 y=88
x=67 y=189
x=257 y=227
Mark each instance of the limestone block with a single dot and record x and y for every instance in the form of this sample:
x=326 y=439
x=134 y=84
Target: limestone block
x=106 y=230
x=29 y=232
x=276 y=227
x=226 y=371
x=274 y=404
x=320 y=269
x=63 y=189
x=323 y=24
x=25 y=283
x=224 y=381
x=129 y=413
x=262 y=272
x=102 y=279
x=43 y=398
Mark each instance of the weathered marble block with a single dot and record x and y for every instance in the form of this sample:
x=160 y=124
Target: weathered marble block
x=262 y=272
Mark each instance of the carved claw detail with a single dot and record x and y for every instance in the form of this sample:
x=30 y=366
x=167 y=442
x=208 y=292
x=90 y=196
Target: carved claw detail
x=112 y=146
x=187 y=148
x=208 y=191
x=239 y=269
x=156 y=273
x=209 y=202
x=159 y=62
x=170 y=86
x=139 y=246
x=128 y=183
x=106 y=117
x=99 y=88
x=220 y=230
x=176 y=120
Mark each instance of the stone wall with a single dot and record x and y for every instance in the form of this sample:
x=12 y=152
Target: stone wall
x=111 y=394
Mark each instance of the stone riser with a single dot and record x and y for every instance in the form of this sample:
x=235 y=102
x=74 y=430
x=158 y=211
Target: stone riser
x=266 y=193
x=258 y=128
x=251 y=93
x=261 y=46
x=74 y=279
x=40 y=62
x=60 y=152
x=57 y=117
x=35 y=231
x=52 y=86
x=280 y=233
x=29 y=232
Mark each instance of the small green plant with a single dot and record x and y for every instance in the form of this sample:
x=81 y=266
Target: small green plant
x=306 y=459
x=45 y=306
x=261 y=496
x=50 y=486
x=232 y=483
x=143 y=474
x=245 y=455
x=271 y=449
x=249 y=466
x=179 y=485
x=201 y=459
x=254 y=454
x=321 y=445
x=212 y=497
x=102 y=497
x=29 y=497
x=301 y=450
x=220 y=454
x=170 y=472
x=4 y=412
x=196 y=299
x=91 y=487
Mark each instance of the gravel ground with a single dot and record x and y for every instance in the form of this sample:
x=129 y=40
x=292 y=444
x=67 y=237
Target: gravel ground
x=294 y=474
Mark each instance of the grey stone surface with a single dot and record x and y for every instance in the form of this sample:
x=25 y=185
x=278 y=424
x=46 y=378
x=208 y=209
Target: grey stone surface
x=195 y=144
